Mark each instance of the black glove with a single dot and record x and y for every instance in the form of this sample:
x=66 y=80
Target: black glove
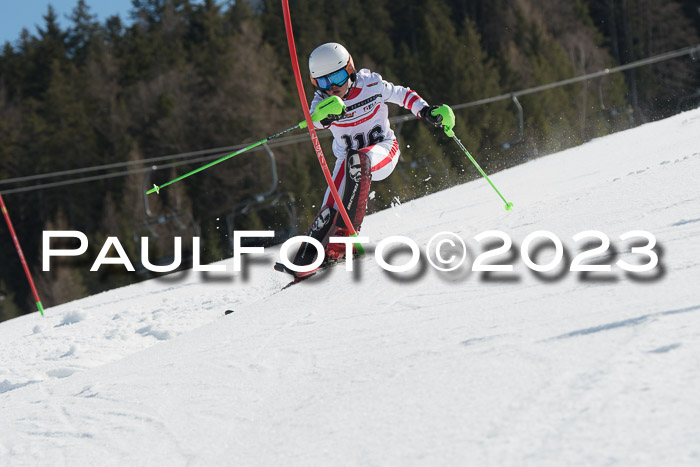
x=435 y=120
x=333 y=118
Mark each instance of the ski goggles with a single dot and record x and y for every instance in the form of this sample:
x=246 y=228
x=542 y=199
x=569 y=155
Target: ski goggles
x=337 y=78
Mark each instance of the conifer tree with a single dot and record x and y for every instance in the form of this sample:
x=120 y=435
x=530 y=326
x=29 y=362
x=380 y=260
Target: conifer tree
x=64 y=282
x=84 y=33
x=8 y=303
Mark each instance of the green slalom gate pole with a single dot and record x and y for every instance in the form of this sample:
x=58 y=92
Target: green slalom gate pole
x=448 y=123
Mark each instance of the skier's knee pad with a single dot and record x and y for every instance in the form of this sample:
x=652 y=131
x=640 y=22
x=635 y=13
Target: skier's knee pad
x=358 y=177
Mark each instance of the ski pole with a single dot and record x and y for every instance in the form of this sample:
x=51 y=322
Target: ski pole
x=332 y=105
x=448 y=123
x=509 y=206
x=156 y=188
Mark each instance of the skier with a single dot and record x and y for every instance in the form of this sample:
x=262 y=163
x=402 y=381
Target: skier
x=363 y=142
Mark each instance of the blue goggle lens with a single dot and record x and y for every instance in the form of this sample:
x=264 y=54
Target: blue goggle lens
x=338 y=79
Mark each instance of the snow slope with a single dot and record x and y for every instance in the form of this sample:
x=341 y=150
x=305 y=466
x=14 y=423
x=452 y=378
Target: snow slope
x=421 y=368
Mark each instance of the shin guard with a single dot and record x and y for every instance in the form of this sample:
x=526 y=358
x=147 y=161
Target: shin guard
x=320 y=230
x=358 y=176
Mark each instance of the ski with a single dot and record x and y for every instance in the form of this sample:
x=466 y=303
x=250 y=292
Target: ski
x=323 y=267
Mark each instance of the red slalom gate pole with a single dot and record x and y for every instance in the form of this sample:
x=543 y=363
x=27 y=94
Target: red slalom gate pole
x=39 y=306
x=310 y=124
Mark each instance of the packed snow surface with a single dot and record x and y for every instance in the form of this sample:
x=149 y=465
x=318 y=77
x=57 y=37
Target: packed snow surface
x=416 y=368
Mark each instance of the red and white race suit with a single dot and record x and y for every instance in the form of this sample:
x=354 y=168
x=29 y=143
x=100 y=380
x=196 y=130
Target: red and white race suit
x=365 y=126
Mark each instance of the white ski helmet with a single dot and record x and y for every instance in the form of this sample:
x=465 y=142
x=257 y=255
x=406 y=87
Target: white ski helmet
x=329 y=58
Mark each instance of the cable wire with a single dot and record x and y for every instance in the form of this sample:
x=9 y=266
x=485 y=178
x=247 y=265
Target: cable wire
x=287 y=140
